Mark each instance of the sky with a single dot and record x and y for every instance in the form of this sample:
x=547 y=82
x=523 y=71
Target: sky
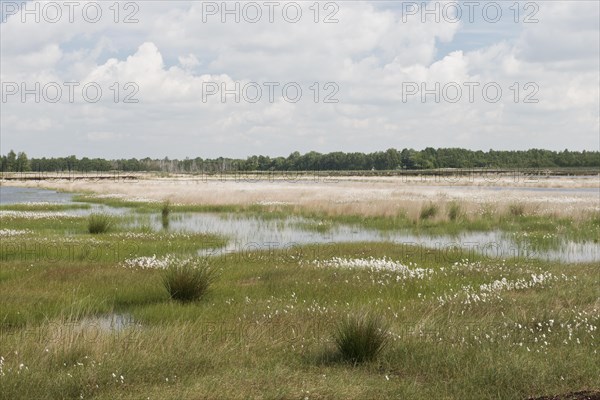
x=207 y=79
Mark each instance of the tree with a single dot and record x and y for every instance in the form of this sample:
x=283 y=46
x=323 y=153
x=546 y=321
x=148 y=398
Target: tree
x=312 y=161
x=408 y=158
x=22 y=163
x=11 y=161
x=72 y=163
x=392 y=158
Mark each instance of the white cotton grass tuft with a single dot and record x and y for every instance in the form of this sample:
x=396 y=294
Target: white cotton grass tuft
x=14 y=232
x=35 y=214
x=149 y=262
x=377 y=264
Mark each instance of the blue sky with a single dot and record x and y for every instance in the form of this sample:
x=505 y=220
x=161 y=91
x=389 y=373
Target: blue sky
x=366 y=64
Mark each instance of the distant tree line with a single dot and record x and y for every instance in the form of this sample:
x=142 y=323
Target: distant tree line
x=391 y=159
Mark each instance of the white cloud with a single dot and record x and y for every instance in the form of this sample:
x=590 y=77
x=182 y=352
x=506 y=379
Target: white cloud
x=170 y=55
x=103 y=136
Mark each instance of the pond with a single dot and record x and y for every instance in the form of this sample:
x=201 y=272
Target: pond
x=14 y=195
x=250 y=232
x=247 y=233
x=109 y=323
x=18 y=195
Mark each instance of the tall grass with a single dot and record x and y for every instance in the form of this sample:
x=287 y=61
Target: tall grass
x=454 y=211
x=99 y=223
x=269 y=318
x=361 y=338
x=516 y=210
x=429 y=211
x=188 y=281
x=165 y=211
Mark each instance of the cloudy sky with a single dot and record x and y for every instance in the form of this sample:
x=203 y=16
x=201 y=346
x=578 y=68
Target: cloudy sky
x=164 y=78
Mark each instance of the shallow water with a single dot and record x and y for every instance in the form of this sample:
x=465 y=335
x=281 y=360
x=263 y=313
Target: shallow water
x=252 y=233
x=13 y=195
x=107 y=323
x=249 y=233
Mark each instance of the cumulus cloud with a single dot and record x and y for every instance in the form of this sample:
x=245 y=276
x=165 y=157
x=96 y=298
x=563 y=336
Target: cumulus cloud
x=161 y=81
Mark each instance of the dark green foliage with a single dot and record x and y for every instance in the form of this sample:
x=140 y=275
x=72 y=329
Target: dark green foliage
x=188 y=281
x=166 y=209
x=98 y=223
x=361 y=338
x=391 y=159
x=454 y=211
x=429 y=211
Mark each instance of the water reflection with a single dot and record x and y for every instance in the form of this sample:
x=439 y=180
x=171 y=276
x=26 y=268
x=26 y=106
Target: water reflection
x=251 y=232
x=13 y=195
x=255 y=233
x=110 y=323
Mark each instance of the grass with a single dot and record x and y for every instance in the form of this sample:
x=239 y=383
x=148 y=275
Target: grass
x=516 y=210
x=454 y=211
x=316 y=226
x=44 y=207
x=99 y=223
x=188 y=281
x=427 y=220
x=429 y=211
x=267 y=322
x=166 y=209
x=269 y=318
x=151 y=207
x=360 y=338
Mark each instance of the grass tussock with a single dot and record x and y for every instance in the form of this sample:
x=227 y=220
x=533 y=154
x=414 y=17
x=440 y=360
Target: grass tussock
x=99 y=223
x=454 y=211
x=188 y=281
x=360 y=338
x=165 y=209
x=429 y=211
x=516 y=210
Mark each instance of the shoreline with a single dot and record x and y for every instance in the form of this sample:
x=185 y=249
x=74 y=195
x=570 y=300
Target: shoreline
x=364 y=196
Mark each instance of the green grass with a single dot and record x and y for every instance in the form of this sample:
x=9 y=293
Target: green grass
x=152 y=207
x=44 y=207
x=166 y=209
x=360 y=338
x=267 y=326
x=516 y=210
x=316 y=226
x=429 y=211
x=99 y=223
x=454 y=211
x=188 y=281
x=586 y=228
x=271 y=317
